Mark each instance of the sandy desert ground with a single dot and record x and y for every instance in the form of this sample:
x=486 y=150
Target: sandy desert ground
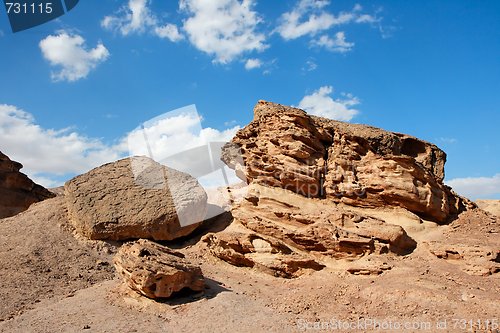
x=56 y=281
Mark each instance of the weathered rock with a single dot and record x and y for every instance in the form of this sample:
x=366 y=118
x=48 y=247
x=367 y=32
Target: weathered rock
x=261 y=252
x=17 y=191
x=474 y=259
x=155 y=202
x=368 y=268
x=490 y=206
x=313 y=184
x=313 y=225
x=340 y=162
x=156 y=271
x=286 y=234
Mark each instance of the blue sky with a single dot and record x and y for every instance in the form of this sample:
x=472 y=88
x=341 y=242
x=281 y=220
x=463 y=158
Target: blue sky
x=71 y=89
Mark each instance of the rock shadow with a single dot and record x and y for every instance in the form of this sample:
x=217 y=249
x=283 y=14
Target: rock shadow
x=186 y=295
x=215 y=224
x=404 y=247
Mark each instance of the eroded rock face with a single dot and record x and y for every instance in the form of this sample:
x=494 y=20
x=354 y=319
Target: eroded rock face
x=17 y=191
x=286 y=234
x=313 y=226
x=156 y=271
x=112 y=202
x=313 y=184
x=474 y=259
x=261 y=252
x=340 y=162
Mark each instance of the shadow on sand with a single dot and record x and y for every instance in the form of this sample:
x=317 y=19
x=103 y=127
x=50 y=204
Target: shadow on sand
x=186 y=295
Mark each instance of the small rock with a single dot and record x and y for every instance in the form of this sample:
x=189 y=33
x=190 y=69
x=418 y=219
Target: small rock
x=156 y=271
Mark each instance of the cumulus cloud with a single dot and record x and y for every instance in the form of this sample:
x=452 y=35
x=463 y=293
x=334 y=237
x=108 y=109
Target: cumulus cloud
x=224 y=29
x=252 y=64
x=320 y=103
x=172 y=133
x=310 y=17
x=68 y=53
x=51 y=156
x=477 y=187
x=228 y=29
x=48 y=151
x=337 y=44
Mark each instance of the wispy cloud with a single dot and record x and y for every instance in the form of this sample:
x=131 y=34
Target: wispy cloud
x=447 y=140
x=336 y=44
x=310 y=66
x=321 y=103
x=137 y=17
x=477 y=187
x=310 y=17
x=69 y=55
x=387 y=31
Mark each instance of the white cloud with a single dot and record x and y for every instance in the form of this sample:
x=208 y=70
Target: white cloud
x=134 y=17
x=48 y=151
x=252 y=64
x=447 y=140
x=46 y=182
x=365 y=18
x=338 y=44
x=68 y=52
x=169 y=31
x=50 y=156
x=172 y=133
x=387 y=31
x=310 y=66
x=137 y=17
x=224 y=29
x=321 y=104
x=476 y=188
x=309 y=18
x=294 y=26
